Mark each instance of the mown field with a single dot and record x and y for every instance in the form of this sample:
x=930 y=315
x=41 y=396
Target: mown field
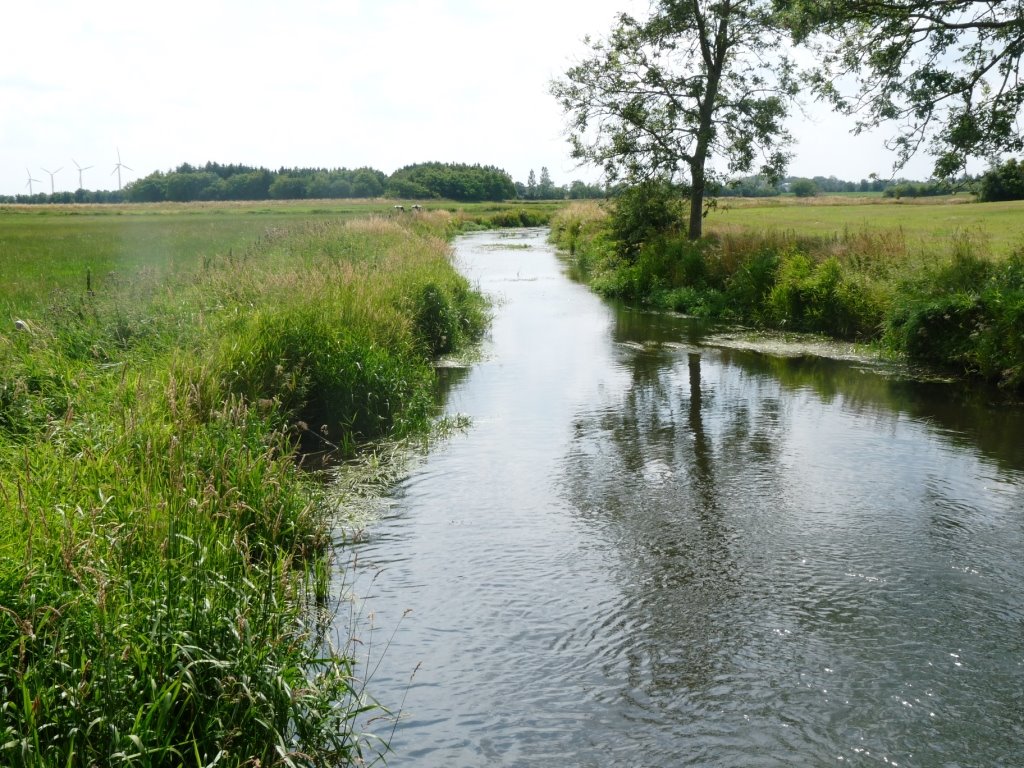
x=164 y=557
x=923 y=224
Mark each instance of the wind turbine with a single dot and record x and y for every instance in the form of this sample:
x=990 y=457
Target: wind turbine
x=52 y=174
x=30 y=180
x=80 y=169
x=118 y=167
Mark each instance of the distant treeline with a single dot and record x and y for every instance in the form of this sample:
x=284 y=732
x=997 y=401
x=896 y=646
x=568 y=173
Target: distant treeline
x=479 y=183
x=801 y=186
x=422 y=181
x=452 y=181
x=1003 y=181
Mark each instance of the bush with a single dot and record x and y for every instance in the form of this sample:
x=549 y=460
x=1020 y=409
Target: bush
x=648 y=210
x=968 y=317
x=804 y=188
x=326 y=374
x=749 y=286
x=1003 y=182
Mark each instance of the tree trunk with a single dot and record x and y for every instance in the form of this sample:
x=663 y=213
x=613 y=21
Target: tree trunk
x=696 y=202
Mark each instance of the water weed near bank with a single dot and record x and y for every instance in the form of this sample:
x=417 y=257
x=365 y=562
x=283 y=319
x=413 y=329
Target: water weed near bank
x=163 y=553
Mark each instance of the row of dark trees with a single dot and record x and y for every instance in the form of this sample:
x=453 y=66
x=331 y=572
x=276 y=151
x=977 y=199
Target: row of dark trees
x=762 y=186
x=438 y=180
x=422 y=181
x=213 y=181
x=1003 y=181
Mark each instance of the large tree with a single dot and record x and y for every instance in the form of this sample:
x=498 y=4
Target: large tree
x=946 y=73
x=666 y=96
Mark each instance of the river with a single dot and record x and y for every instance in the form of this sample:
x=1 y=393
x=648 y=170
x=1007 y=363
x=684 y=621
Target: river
x=650 y=550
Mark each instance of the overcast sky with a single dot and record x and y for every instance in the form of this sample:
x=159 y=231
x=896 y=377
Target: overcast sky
x=325 y=83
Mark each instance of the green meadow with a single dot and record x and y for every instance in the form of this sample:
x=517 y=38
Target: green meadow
x=165 y=559
x=43 y=248
x=922 y=224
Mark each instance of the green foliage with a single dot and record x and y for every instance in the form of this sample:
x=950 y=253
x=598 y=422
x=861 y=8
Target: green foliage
x=823 y=298
x=644 y=211
x=966 y=316
x=747 y=186
x=1004 y=181
x=691 y=83
x=749 y=286
x=287 y=187
x=960 y=310
x=447 y=318
x=239 y=182
x=932 y=188
x=944 y=72
x=453 y=181
x=330 y=377
x=804 y=188
x=519 y=217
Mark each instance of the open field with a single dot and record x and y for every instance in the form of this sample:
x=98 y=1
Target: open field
x=43 y=248
x=922 y=223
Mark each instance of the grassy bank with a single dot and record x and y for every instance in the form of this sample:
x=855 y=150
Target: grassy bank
x=951 y=303
x=162 y=555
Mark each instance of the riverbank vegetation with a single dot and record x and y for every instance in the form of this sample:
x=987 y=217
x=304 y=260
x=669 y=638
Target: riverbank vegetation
x=164 y=559
x=951 y=300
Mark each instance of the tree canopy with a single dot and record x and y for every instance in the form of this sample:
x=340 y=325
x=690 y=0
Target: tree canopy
x=1003 y=182
x=452 y=181
x=946 y=72
x=697 y=80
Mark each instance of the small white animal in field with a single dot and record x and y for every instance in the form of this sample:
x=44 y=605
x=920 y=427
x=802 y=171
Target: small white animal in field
x=22 y=325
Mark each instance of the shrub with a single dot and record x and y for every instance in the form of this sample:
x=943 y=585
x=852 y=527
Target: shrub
x=968 y=317
x=327 y=374
x=821 y=298
x=804 y=188
x=446 y=319
x=1003 y=182
x=642 y=212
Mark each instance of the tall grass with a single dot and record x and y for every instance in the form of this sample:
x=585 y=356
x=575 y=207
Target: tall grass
x=162 y=554
x=952 y=306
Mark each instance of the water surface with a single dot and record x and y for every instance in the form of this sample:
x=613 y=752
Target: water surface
x=648 y=551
